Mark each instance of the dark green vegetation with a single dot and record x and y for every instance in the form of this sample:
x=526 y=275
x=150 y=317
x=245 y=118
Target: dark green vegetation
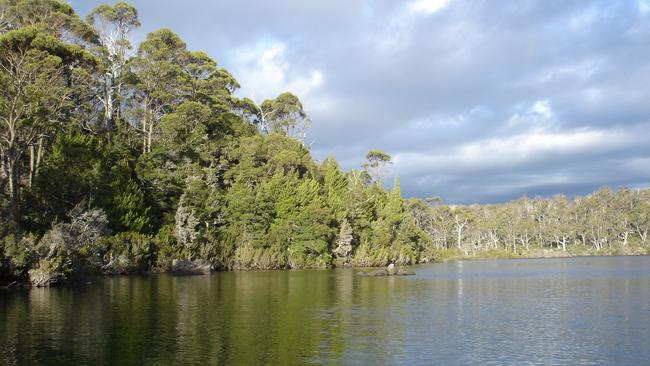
x=119 y=159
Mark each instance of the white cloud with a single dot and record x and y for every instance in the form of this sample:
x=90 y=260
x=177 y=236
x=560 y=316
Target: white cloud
x=264 y=72
x=397 y=34
x=644 y=7
x=429 y=6
x=509 y=152
x=542 y=108
x=538 y=117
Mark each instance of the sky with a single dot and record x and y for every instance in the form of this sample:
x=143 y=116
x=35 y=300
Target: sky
x=476 y=101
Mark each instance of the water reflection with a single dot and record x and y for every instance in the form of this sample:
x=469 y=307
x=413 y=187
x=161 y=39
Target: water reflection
x=565 y=311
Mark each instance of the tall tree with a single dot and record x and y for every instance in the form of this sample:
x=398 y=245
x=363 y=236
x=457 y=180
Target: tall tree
x=54 y=17
x=36 y=76
x=114 y=25
x=209 y=84
x=285 y=114
x=376 y=163
x=157 y=81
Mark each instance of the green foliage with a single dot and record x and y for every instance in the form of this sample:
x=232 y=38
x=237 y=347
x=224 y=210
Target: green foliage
x=166 y=248
x=285 y=114
x=126 y=208
x=17 y=255
x=335 y=187
x=121 y=14
x=376 y=163
x=55 y=17
x=119 y=164
x=73 y=171
x=127 y=252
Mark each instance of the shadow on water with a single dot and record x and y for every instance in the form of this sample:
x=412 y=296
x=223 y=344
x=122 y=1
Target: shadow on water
x=561 y=311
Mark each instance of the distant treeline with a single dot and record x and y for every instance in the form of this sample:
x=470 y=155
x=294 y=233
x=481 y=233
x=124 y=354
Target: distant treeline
x=120 y=159
x=604 y=220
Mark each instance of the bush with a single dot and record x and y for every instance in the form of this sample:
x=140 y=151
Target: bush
x=128 y=252
x=75 y=247
x=16 y=256
x=166 y=247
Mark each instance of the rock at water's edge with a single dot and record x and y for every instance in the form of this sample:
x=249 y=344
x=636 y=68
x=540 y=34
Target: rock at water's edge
x=43 y=278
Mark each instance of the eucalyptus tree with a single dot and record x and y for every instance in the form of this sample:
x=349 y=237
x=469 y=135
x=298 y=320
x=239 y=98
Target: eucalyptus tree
x=443 y=221
x=524 y=222
x=114 y=24
x=37 y=72
x=599 y=224
x=462 y=217
x=157 y=82
x=639 y=214
x=208 y=84
x=285 y=114
x=561 y=227
x=376 y=164
x=54 y=17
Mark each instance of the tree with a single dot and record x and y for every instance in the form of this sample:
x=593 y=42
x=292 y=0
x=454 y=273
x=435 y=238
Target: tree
x=157 y=82
x=208 y=84
x=74 y=171
x=376 y=163
x=335 y=185
x=53 y=17
x=36 y=73
x=285 y=114
x=113 y=25
x=639 y=214
x=560 y=228
x=461 y=219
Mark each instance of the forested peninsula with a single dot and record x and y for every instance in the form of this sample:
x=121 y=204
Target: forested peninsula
x=119 y=158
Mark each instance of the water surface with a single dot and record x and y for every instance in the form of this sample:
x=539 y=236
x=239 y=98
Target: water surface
x=578 y=311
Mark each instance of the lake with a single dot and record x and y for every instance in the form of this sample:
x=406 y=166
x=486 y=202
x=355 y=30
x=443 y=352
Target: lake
x=576 y=311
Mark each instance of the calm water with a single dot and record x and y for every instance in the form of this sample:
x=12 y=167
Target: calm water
x=581 y=311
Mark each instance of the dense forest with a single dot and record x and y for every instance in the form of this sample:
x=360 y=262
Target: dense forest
x=119 y=158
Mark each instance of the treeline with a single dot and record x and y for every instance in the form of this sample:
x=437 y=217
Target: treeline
x=604 y=220
x=119 y=158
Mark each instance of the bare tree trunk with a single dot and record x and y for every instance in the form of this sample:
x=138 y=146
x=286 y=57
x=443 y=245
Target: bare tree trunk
x=4 y=171
x=32 y=163
x=39 y=153
x=144 y=128
x=118 y=97
x=149 y=137
x=14 y=188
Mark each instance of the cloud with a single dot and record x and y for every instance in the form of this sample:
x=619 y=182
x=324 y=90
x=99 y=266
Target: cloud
x=477 y=101
x=429 y=6
x=264 y=72
x=402 y=23
x=512 y=152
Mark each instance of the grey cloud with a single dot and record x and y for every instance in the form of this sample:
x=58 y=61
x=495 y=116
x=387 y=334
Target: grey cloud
x=468 y=74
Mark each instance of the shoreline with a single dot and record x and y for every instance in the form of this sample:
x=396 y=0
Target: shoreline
x=24 y=284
